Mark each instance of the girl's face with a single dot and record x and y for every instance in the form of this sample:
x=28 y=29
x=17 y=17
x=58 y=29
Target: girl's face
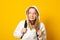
x=32 y=14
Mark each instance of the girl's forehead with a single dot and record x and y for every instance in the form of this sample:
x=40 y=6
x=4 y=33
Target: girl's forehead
x=31 y=10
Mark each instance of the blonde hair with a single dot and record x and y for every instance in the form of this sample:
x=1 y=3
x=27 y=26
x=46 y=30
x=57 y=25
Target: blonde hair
x=37 y=19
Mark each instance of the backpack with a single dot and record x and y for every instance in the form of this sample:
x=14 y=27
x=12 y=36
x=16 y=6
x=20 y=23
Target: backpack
x=25 y=26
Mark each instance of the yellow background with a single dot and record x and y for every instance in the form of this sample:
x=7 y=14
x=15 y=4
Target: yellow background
x=13 y=11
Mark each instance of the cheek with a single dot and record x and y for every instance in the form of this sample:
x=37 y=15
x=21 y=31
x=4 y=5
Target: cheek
x=34 y=16
x=29 y=15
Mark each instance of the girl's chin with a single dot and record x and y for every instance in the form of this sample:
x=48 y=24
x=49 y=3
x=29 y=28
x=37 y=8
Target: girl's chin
x=32 y=19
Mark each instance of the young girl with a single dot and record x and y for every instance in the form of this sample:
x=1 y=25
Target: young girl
x=34 y=29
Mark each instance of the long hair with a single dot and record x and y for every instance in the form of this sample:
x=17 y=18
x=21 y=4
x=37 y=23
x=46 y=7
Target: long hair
x=36 y=25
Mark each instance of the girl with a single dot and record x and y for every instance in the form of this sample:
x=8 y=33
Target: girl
x=34 y=29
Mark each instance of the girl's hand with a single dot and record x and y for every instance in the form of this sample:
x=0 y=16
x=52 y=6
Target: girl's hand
x=24 y=30
x=39 y=33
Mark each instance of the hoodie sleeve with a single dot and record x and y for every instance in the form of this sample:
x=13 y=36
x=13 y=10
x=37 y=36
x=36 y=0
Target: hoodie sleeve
x=43 y=35
x=17 y=33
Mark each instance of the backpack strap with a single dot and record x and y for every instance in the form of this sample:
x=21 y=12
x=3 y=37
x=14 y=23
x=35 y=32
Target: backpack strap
x=25 y=26
x=37 y=36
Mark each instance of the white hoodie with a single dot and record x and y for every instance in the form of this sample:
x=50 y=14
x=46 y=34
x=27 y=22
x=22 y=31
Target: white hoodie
x=30 y=34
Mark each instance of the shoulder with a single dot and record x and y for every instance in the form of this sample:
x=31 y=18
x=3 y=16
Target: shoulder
x=42 y=26
x=22 y=22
